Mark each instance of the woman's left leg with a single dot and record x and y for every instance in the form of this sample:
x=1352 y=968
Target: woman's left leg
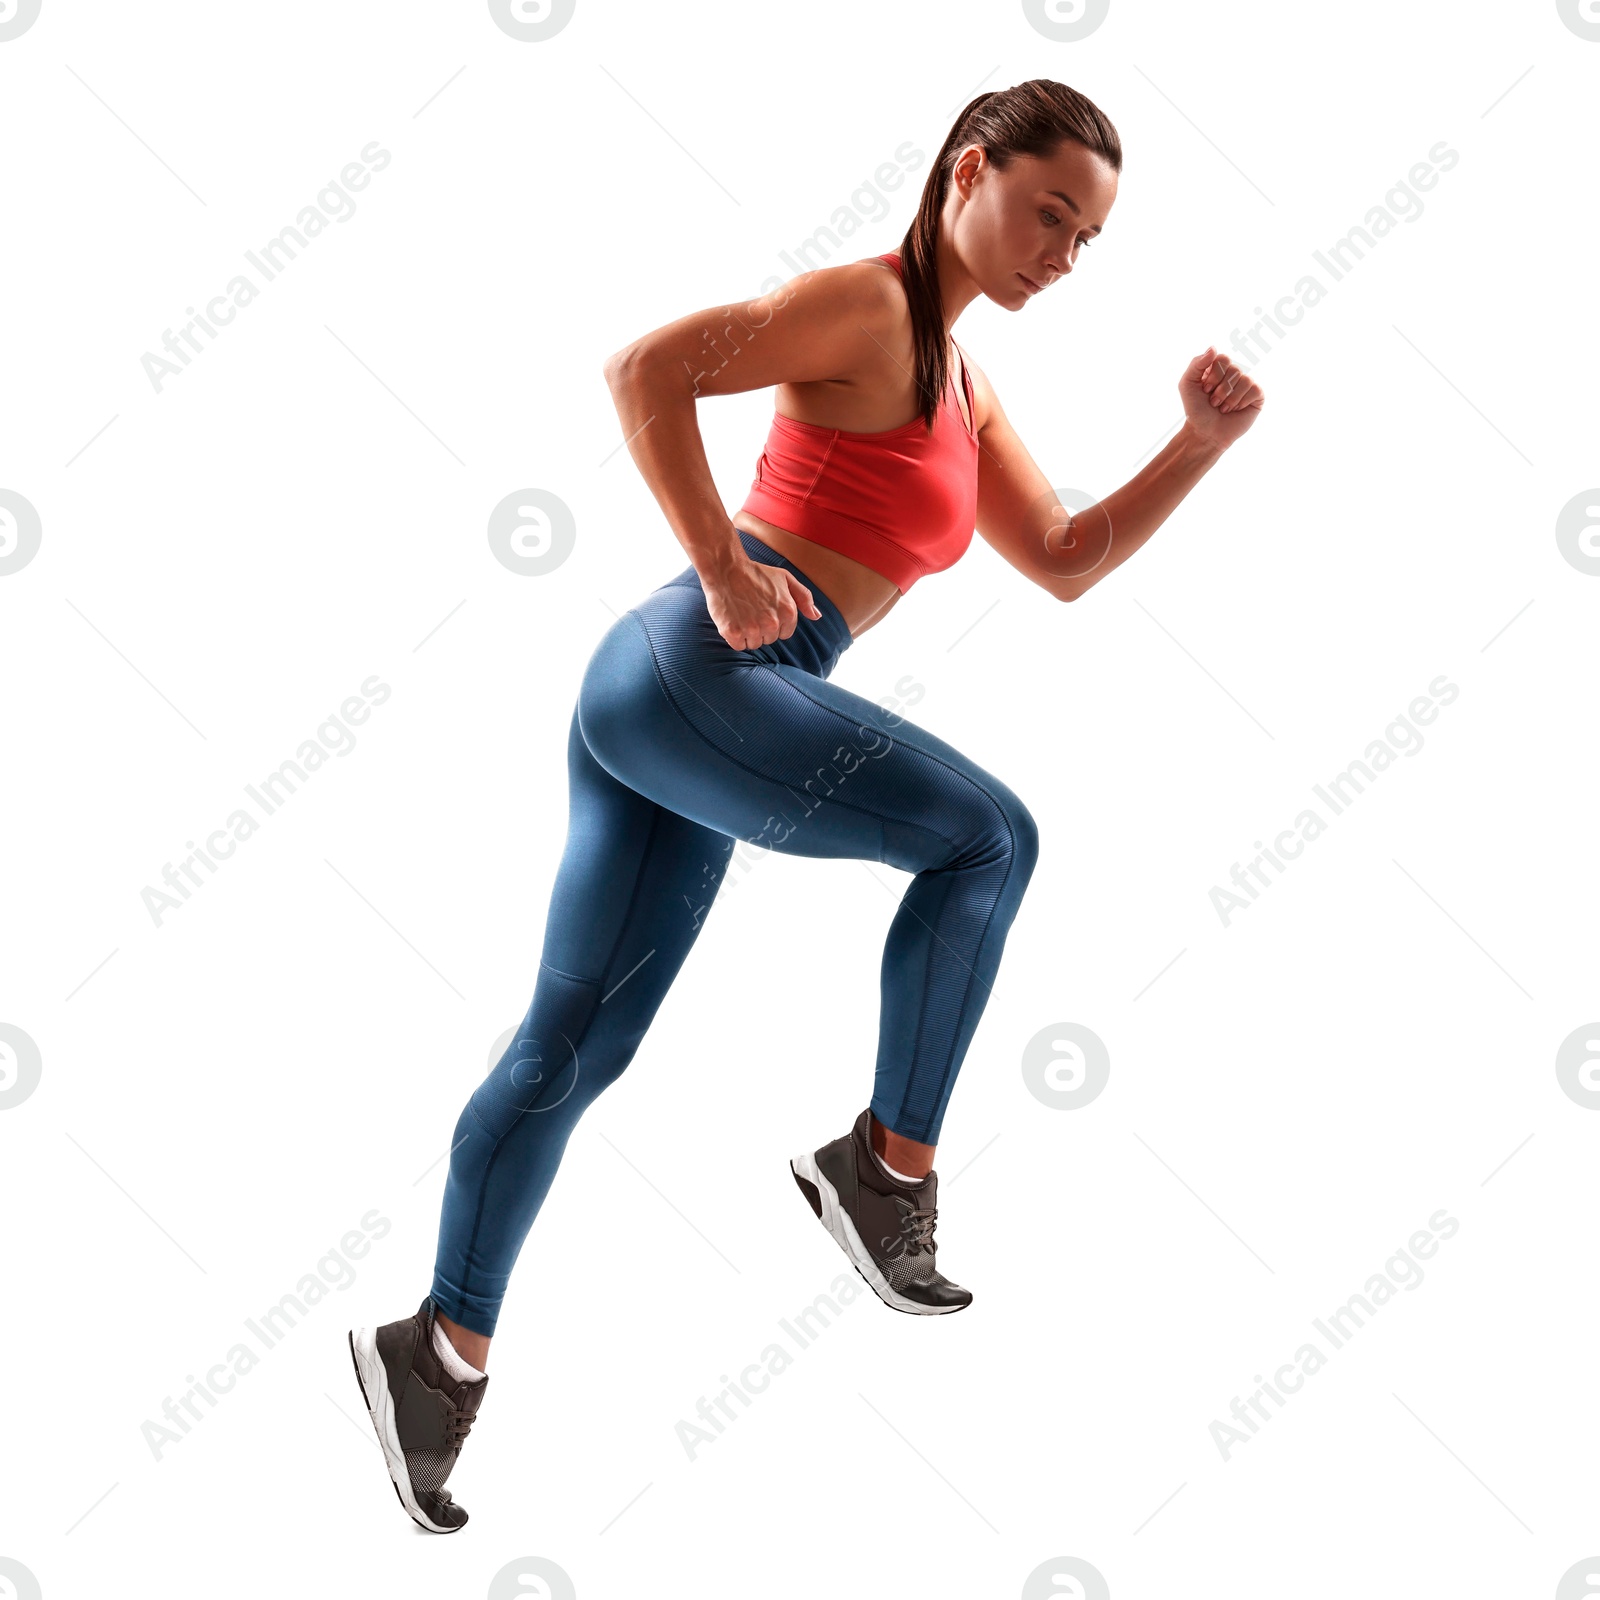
x=629 y=899
x=759 y=745
x=630 y=896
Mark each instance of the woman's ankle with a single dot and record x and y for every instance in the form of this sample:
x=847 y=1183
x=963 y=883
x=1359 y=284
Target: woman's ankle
x=473 y=1348
x=905 y=1156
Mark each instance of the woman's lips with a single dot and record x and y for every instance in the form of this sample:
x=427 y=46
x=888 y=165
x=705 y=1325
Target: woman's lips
x=1032 y=286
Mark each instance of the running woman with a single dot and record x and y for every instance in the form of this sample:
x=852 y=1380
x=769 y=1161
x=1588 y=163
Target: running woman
x=707 y=715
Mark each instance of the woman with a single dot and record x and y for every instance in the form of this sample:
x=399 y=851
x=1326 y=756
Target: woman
x=707 y=715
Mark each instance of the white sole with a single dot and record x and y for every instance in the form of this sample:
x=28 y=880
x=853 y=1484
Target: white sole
x=374 y=1381
x=837 y=1221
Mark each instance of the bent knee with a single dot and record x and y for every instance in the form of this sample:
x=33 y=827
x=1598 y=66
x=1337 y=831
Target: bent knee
x=998 y=827
x=1024 y=838
x=1017 y=834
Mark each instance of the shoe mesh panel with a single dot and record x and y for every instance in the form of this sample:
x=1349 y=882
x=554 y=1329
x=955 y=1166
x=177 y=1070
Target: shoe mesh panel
x=429 y=1468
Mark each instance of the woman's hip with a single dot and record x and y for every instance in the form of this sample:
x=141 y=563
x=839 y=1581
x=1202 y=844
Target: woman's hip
x=814 y=646
x=726 y=737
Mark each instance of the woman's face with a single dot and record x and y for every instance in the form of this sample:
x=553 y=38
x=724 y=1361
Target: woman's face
x=1020 y=230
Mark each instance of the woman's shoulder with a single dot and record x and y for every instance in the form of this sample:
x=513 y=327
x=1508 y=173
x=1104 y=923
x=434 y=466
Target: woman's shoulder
x=866 y=294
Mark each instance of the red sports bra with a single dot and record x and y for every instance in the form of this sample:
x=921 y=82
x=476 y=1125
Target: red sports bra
x=903 y=501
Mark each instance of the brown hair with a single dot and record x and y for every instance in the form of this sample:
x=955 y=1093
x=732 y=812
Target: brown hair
x=1030 y=119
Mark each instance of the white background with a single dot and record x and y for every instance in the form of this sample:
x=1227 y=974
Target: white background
x=1291 y=1096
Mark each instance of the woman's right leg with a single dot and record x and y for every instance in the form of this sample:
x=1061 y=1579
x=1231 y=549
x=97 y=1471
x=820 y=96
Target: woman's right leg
x=760 y=746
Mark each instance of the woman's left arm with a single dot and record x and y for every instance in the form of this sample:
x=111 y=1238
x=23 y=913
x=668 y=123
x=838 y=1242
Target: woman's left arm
x=1066 y=551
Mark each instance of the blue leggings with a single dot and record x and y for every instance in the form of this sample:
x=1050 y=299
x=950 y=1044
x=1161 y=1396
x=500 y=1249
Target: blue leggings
x=680 y=746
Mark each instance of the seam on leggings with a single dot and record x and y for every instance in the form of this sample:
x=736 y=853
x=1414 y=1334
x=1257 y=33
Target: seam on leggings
x=922 y=1017
x=576 y=978
x=966 y=995
x=571 y=977
x=583 y=1033
x=766 y=777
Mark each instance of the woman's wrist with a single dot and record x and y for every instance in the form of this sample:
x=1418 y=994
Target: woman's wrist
x=724 y=556
x=1204 y=452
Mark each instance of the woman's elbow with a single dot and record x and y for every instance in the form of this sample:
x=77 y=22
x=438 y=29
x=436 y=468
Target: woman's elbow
x=616 y=364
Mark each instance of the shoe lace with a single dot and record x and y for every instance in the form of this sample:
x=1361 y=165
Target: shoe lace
x=916 y=1227
x=458 y=1424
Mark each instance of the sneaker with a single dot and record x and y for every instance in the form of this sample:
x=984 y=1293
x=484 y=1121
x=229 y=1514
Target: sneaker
x=884 y=1225
x=420 y=1412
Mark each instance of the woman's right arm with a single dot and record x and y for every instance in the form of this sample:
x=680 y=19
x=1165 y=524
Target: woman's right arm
x=822 y=325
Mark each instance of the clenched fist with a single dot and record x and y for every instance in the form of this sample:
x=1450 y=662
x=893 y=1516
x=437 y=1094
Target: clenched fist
x=1220 y=400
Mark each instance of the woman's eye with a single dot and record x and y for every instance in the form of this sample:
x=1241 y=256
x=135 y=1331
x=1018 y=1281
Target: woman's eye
x=1050 y=217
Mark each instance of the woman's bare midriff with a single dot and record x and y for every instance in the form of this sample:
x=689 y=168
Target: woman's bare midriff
x=862 y=595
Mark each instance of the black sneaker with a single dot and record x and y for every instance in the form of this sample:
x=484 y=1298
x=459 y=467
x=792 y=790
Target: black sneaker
x=420 y=1412
x=885 y=1226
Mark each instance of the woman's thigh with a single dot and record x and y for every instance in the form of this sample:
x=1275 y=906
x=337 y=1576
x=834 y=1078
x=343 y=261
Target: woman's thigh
x=763 y=751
